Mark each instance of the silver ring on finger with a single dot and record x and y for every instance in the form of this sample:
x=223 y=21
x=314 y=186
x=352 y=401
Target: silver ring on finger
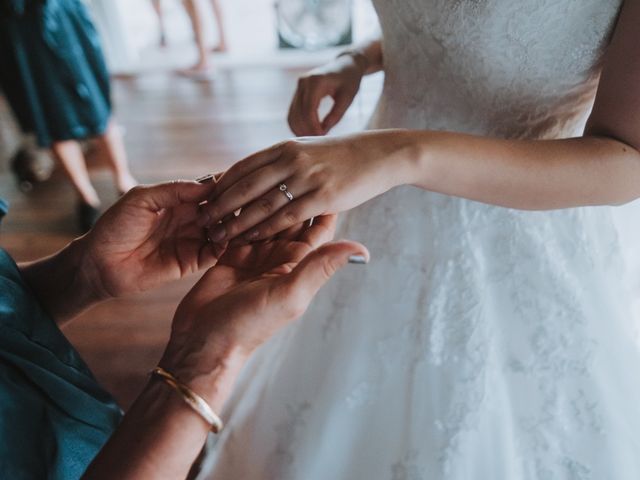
x=283 y=188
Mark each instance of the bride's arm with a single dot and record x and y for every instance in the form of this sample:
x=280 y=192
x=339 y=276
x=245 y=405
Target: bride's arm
x=600 y=168
x=331 y=175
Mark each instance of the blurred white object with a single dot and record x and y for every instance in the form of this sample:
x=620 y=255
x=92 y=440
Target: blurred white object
x=314 y=24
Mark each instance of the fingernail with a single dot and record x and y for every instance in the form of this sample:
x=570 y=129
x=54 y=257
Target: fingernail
x=218 y=234
x=206 y=178
x=358 y=260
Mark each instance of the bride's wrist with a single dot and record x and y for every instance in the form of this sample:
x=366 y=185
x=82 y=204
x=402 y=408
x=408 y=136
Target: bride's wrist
x=401 y=152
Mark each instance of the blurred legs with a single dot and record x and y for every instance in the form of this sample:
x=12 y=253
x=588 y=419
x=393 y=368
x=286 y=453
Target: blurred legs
x=194 y=10
x=70 y=155
x=112 y=147
x=157 y=6
x=222 y=41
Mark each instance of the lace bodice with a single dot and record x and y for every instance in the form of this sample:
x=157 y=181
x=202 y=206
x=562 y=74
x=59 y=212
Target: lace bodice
x=508 y=68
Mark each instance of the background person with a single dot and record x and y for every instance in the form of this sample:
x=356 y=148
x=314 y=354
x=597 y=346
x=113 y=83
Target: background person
x=196 y=13
x=53 y=74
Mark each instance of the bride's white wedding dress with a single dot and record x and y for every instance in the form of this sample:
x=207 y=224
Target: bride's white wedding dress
x=480 y=342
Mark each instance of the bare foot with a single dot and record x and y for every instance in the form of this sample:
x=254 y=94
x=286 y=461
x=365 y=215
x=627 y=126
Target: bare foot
x=199 y=70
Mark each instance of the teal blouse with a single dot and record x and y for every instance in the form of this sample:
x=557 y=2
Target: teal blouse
x=54 y=417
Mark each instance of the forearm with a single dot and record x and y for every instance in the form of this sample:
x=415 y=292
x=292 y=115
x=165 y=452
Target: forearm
x=523 y=174
x=61 y=283
x=161 y=436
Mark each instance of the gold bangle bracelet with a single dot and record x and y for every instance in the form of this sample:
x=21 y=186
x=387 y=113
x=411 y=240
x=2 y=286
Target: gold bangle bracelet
x=191 y=398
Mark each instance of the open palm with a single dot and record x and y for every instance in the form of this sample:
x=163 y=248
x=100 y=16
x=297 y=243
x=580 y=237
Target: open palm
x=252 y=263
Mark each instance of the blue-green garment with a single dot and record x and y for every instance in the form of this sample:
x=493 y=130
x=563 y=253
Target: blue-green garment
x=52 y=70
x=54 y=417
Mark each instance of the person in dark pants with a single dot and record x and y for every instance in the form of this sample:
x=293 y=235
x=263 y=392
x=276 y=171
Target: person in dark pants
x=53 y=74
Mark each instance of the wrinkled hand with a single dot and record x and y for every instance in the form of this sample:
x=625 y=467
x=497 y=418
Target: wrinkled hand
x=149 y=237
x=339 y=80
x=251 y=293
x=324 y=175
x=246 y=263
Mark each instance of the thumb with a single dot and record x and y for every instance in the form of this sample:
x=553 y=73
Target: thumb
x=320 y=265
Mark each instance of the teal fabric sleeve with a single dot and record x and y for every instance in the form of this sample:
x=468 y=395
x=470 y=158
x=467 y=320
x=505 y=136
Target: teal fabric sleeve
x=54 y=417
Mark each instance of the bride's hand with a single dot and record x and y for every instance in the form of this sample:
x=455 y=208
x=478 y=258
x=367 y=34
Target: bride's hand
x=339 y=80
x=300 y=179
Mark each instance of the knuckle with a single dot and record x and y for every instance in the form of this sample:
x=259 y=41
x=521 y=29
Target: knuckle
x=299 y=160
x=329 y=268
x=267 y=230
x=266 y=205
x=289 y=146
x=319 y=177
x=212 y=210
x=245 y=186
x=232 y=229
x=292 y=216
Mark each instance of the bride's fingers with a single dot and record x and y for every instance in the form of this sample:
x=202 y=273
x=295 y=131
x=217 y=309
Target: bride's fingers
x=246 y=166
x=310 y=105
x=252 y=214
x=246 y=190
x=295 y=212
x=341 y=103
x=295 y=115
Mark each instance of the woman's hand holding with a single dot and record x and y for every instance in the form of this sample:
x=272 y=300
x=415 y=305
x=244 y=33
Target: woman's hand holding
x=149 y=237
x=339 y=80
x=322 y=175
x=252 y=292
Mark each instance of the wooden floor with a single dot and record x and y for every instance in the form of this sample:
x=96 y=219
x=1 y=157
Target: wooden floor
x=175 y=128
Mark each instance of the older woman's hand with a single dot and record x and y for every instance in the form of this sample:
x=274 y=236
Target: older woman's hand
x=252 y=292
x=149 y=237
